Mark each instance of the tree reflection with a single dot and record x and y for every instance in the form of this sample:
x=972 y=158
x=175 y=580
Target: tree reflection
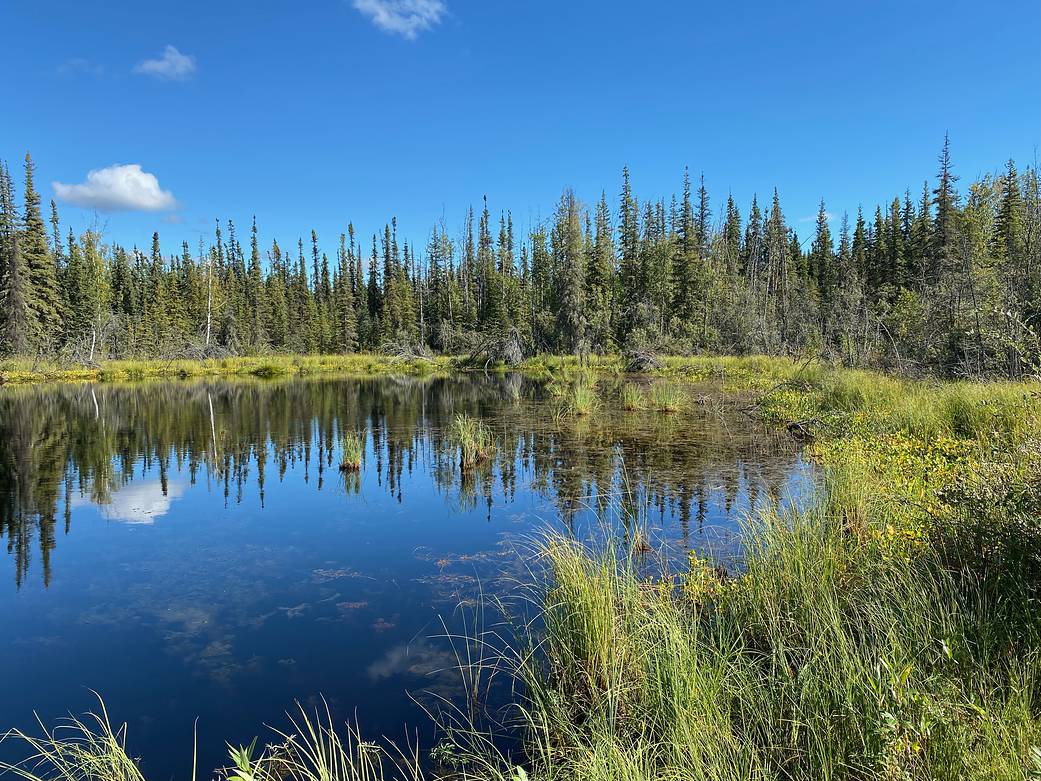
x=64 y=445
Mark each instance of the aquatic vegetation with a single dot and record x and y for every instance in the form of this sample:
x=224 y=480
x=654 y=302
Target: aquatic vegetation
x=311 y=748
x=641 y=677
x=76 y=750
x=582 y=397
x=903 y=600
x=666 y=397
x=23 y=370
x=352 y=450
x=473 y=438
x=633 y=397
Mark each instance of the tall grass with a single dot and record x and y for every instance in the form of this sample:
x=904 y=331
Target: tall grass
x=76 y=750
x=473 y=438
x=891 y=631
x=819 y=661
x=582 y=398
x=666 y=397
x=633 y=398
x=352 y=452
x=310 y=749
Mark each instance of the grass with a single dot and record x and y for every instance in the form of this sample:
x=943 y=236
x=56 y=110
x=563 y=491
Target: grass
x=666 y=397
x=310 y=749
x=353 y=449
x=15 y=371
x=76 y=750
x=891 y=631
x=582 y=398
x=817 y=662
x=633 y=398
x=473 y=439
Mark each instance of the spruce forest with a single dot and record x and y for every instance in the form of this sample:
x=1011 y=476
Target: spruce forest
x=944 y=278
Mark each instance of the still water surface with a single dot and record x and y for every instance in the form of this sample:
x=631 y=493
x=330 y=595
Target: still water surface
x=193 y=550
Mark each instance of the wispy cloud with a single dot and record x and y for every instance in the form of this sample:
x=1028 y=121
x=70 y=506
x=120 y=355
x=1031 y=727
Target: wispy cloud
x=81 y=65
x=407 y=18
x=171 y=65
x=829 y=216
x=118 y=188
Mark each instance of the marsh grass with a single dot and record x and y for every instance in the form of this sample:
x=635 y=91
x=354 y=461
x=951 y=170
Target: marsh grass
x=352 y=452
x=473 y=438
x=890 y=631
x=26 y=370
x=75 y=750
x=311 y=748
x=582 y=397
x=820 y=660
x=633 y=398
x=666 y=397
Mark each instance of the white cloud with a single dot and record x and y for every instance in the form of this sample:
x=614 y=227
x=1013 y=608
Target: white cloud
x=406 y=18
x=829 y=216
x=137 y=503
x=170 y=66
x=118 y=188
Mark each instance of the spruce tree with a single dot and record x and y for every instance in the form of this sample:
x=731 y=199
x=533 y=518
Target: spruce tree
x=568 y=257
x=945 y=199
x=1008 y=238
x=42 y=293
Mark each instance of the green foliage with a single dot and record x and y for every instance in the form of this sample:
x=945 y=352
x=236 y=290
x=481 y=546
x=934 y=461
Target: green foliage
x=666 y=397
x=888 y=632
x=582 y=397
x=949 y=285
x=352 y=451
x=473 y=439
x=310 y=749
x=633 y=397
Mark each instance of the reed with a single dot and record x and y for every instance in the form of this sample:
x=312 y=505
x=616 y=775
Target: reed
x=352 y=451
x=582 y=397
x=666 y=397
x=473 y=438
x=633 y=398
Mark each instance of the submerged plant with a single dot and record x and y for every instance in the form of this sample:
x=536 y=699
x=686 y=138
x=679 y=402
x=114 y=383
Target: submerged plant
x=473 y=439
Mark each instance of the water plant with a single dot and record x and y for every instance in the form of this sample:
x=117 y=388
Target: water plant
x=352 y=450
x=633 y=397
x=582 y=398
x=666 y=397
x=310 y=749
x=473 y=438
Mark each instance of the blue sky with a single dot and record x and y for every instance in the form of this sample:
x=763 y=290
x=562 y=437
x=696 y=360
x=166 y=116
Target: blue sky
x=310 y=114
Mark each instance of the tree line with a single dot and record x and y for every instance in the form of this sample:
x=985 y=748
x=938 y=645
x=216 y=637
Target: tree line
x=936 y=280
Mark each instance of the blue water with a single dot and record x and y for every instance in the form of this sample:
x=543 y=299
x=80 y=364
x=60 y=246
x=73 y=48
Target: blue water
x=192 y=550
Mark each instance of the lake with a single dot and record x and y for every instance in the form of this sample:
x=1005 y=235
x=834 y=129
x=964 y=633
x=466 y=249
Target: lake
x=192 y=549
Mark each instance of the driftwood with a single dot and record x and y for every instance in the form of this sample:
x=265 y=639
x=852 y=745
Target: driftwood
x=802 y=429
x=639 y=361
x=500 y=348
x=404 y=350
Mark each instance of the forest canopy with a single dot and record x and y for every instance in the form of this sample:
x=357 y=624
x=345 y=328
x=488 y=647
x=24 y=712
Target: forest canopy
x=939 y=279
